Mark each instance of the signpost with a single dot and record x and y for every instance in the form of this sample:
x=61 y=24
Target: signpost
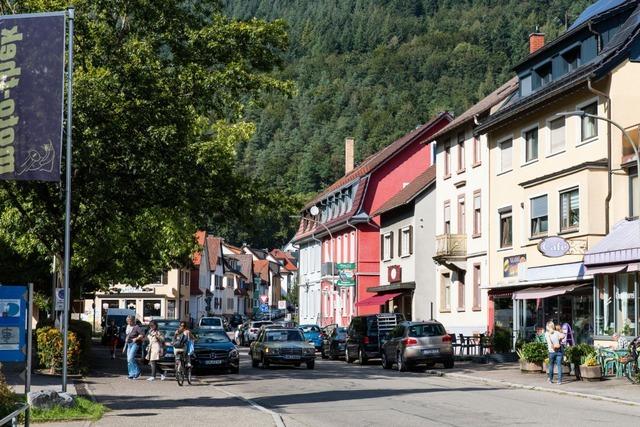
x=264 y=308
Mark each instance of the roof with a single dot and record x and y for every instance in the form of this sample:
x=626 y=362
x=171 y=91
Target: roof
x=232 y=248
x=595 y=9
x=410 y=192
x=621 y=245
x=287 y=259
x=214 y=250
x=200 y=236
x=480 y=107
x=261 y=269
x=228 y=268
x=246 y=264
x=372 y=162
x=258 y=253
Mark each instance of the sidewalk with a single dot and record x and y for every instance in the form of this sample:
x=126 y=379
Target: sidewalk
x=509 y=375
x=14 y=373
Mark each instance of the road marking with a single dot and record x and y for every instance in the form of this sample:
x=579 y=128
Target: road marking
x=276 y=417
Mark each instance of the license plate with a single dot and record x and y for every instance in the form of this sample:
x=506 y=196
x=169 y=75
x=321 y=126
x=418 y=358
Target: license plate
x=213 y=362
x=430 y=351
x=342 y=346
x=291 y=356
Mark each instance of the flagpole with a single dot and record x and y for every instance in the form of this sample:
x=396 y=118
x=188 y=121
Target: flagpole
x=67 y=217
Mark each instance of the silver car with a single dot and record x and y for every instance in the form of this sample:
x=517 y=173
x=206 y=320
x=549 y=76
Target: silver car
x=411 y=344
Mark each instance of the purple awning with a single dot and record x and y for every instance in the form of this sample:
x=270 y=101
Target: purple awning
x=621 y=246
x=539 y=293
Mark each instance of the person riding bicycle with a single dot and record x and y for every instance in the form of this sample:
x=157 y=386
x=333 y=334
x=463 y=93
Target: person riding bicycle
x=183 y=341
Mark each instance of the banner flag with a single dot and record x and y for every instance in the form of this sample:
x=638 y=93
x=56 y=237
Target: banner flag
x=31 y=96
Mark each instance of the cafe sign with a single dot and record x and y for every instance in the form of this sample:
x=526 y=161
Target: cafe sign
x=554 y=247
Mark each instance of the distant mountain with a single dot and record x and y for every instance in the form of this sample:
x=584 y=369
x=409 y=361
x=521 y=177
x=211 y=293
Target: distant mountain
x=374 y=69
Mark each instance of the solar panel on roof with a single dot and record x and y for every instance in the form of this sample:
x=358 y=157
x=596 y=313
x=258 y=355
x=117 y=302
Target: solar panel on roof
x=596 y=9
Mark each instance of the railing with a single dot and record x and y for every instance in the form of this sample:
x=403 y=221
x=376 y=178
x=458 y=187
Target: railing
x=451 y=245
x=13 y=417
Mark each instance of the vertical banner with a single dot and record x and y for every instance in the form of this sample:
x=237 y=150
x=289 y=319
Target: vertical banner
x=13 y=317
x=32 y=51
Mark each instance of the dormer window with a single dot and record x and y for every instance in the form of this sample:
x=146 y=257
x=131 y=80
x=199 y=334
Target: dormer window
x=544 y=74
x=525 y=85
x=571 y=59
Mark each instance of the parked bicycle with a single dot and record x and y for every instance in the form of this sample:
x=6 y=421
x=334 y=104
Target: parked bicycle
x=630 y=363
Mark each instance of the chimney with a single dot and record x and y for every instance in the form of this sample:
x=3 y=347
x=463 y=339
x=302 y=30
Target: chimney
x=536 y=41
x=349 y=154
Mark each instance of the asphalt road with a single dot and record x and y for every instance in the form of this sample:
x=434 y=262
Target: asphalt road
x=339 y=394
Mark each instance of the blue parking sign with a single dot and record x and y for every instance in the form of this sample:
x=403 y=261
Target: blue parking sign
x=13 y=315
x=264 y=308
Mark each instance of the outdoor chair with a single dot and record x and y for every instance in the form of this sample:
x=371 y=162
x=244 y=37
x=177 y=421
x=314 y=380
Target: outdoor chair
x=465 y=344
x=455 y=344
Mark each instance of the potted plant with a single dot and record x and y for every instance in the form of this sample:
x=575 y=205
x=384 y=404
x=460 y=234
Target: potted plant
x=591 y=370
x=575 y=354
x=532 y=355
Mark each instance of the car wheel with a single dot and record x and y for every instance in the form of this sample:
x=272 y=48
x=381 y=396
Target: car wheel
x=265 y=363
x=311 y=364
x=347 y=356
x=385 y=361
x=362 y=359
x=448 y=364
x=400 y=363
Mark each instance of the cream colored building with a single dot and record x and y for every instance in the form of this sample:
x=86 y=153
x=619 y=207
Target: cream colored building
x=551 y=198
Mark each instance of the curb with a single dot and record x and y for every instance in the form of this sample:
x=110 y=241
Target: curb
x=531 y=387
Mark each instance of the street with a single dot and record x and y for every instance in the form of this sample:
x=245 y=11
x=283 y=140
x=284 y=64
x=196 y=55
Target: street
x=336 y=393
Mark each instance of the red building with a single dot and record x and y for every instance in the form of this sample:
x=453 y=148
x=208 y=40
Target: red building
x=340 y=219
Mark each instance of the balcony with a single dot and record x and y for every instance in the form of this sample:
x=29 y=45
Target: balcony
x=451 y=246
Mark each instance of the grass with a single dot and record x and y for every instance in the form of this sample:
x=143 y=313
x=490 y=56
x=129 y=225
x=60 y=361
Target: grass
x=84 y=409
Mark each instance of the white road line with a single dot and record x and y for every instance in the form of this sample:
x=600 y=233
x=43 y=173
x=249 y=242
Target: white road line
x=276 y=417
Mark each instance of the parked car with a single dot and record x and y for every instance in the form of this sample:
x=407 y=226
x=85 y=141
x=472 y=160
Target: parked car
x=235 y=320
x=215 y=323
x=334 y=343
x=366 y=334
x=282 y=346
x=312 y=334
x=214 y=350
x=168 y=324
x=167 y=360
x=411 y=344
x=251 y=333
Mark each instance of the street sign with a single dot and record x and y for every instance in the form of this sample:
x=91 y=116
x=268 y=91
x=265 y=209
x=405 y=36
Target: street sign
x=264 y=299
x=282 y=305
x=13 y=308
x=59 y=299
x=264 y=308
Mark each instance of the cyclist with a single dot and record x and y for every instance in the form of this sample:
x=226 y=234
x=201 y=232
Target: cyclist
x=182 y=341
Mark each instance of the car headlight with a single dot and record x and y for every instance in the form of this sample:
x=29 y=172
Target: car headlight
x=310 y=350
x=272 y=351
x=233 y=353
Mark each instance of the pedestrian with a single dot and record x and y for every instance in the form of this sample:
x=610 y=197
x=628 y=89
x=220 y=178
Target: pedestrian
x=112 y=337
x=553 y=339
x=132 y=341
x=183 y=341
x=155 y=349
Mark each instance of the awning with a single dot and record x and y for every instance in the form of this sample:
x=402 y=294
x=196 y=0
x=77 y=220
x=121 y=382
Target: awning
x=621 y=246
x=377 y=299
x=539 y=293
x=404 y=286
x=606 y=269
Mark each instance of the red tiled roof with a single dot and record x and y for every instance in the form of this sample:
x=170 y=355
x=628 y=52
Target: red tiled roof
x=372 y=162
x=214 y=250
x=236 y=250
x=261 y=268
x=200 y=237
x=480 y=107
x=287 y=259
x=408 y=193
x=246 y=264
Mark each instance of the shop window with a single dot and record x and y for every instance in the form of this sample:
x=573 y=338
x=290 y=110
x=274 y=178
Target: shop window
x=557 y=136
x=615 y=305
x=477 y=215
x=569 y=210
x=506 y=228
x=588 y=125
x=531 y=145
x=445 y=292
x=539 y=216
x=151 y=308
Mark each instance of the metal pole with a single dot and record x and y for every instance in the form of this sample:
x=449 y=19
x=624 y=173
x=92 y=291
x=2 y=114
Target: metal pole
x=67 y=217
x=27 y=385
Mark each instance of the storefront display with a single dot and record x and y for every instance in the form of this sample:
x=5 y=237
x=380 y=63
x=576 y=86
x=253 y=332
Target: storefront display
x=616 y=304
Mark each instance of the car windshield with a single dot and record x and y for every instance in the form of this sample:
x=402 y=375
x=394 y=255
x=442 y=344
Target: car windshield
x=211 y=337
x=210 y=322
x=310 y=328
x=341 y=332
x=429 y=330
x=280 y=336
x=258 y=324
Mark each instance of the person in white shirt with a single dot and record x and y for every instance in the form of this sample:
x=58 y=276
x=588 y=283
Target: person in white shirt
x=553 y=339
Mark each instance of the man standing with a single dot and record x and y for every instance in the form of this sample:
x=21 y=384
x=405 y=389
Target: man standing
x=134 y=337
x=112 y=337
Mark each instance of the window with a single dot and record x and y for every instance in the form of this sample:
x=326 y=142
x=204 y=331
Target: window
x=387 y=246
x=229 y=303
x=171 y=309
x=477 y=296
x=462 y=223
x=531 y=145
x=445 y=292
x=525 y=85
x=539 y=216
x=615 y=304
x=634 y=199
x=447 y=160
x=588 y=125
x=164 y=278
x=218 y=282
x=447 y=217
x=477 y=155
x=151 y=308
x=506 y=154
x=406 y=241
x=461 y=153
x=477 y=215
x=506 y=228
x=571 y=59
x=544 y=74
x=557 y=137
x=461 y=291
x=569 y=210
x=230 y=282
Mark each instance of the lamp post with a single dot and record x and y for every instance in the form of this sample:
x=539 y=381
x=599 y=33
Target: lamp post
x=583 y=114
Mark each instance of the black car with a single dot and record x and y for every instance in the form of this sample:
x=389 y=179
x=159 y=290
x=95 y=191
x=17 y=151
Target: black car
x=366 y=334
x=214 y=350
x=334 y=343
x=235 y=320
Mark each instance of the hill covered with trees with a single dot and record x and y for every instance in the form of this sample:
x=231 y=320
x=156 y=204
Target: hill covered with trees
x=374 y=69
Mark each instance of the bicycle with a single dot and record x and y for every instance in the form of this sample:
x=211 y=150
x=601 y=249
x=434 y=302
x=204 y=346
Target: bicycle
x=630 y=363
x=183 y=367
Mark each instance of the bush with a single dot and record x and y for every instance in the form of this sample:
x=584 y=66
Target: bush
x=502 y=340
x=83 y=331
x=533 y=352
x=50 y=345
x=577 y=353
x=8 y=399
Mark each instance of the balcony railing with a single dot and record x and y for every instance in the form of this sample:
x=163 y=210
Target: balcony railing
x=451 y=246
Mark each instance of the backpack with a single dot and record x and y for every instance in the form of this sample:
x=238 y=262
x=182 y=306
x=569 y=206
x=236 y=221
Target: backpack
x=180 y=341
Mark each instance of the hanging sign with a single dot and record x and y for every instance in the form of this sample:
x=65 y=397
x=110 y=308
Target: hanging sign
x=553 y=246
x=13 y=309
x=346 y=274
x=31 y=96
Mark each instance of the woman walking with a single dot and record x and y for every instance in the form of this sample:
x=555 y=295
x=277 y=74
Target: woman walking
x=132 y=342
x=154 y=351
x=553 y=339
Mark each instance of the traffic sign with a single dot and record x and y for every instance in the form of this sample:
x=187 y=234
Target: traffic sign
x=264 y=308
x=264 y=299
x=282 y=304
x=59 y=299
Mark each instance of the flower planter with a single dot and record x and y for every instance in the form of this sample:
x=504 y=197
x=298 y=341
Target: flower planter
x=530 y=367
x=591 y=373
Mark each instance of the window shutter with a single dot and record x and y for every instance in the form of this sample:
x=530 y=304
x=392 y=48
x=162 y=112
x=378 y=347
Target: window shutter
x=400 y=242
x=391 y=244
x=411 y=240
x=382 y=246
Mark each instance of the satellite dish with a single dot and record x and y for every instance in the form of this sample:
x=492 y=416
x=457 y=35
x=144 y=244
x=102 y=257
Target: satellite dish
x=314 y=210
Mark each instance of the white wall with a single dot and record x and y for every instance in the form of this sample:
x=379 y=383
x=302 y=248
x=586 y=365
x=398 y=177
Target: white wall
x=309 y=282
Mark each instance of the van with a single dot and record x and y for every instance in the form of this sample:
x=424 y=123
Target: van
x=366 y=334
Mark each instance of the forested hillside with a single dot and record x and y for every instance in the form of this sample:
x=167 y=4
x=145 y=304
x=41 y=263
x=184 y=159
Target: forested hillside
x=374 y=69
